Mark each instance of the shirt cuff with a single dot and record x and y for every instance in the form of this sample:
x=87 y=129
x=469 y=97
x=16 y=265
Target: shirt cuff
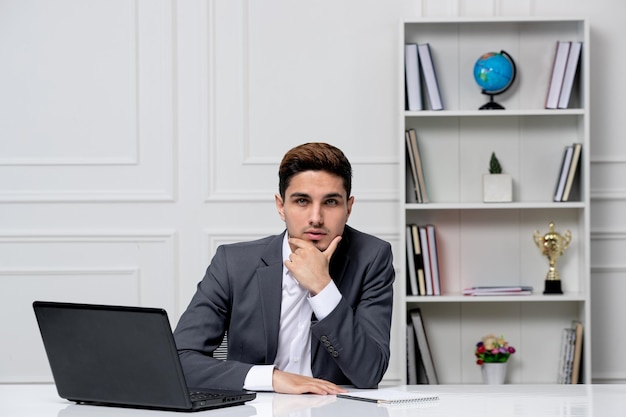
x=325 y=301
x=259 y=378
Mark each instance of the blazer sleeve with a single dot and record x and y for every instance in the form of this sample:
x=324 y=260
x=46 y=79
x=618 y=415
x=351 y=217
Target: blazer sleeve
x=201 y=328
x=353 y=341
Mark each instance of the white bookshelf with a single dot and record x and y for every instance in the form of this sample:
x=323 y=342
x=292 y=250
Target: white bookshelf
x=492 y=243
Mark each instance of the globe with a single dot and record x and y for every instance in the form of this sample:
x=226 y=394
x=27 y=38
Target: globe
x=494 y=72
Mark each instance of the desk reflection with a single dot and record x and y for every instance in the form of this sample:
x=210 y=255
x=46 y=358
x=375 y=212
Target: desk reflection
x=528 y=400
x=284 y=405
x=275 y=405
x=84 y=410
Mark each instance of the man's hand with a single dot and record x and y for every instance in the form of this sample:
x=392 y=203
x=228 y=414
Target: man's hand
x=309 y=265
x=288 y=383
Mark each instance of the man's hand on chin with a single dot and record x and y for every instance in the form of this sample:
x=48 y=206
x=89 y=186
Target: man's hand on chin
x=309 y=265
x=288 y=383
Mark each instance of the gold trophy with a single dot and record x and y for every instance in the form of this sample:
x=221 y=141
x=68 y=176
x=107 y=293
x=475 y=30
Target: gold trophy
x=553 y=245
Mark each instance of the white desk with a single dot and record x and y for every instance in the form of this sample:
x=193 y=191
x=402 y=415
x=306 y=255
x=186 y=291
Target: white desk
x=455 y=400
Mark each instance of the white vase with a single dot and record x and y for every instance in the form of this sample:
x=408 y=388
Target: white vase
x=497 y=188
x=494 y=373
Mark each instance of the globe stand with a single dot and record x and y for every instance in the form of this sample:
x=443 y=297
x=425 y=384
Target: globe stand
x=491 y=105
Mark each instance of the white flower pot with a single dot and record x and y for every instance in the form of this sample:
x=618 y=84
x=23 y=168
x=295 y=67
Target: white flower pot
x=497 y=188
x=494 y=373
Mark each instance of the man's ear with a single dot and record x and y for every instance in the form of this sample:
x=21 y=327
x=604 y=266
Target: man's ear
x=349 y=207
x=280 y=206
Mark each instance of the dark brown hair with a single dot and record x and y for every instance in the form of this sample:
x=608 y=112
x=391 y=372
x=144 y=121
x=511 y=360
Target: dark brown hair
x=314 y=156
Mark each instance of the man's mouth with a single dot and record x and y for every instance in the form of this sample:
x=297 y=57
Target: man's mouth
x=315 y=234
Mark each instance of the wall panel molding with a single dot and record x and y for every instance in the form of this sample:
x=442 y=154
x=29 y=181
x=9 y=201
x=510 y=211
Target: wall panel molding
x=608 y=284
x=607 y=170
x=244 y=144
x=123 y=267
x=605 y=234
x=109 y=143
x=67 y=196
x=153 y=252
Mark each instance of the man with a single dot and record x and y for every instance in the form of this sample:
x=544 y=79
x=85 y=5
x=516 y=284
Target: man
x=306 y=311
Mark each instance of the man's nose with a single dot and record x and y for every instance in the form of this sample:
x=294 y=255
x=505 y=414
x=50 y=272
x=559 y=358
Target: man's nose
x=316 y=217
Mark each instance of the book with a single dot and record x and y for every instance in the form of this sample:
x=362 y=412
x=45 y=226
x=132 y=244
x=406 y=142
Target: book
x=412 y=77
x=567 y=354
x=430 y=76
x=569 y=357
x=389 y=396
x=428 y=277
x=419 y=169
x=565 y=164
x=499 y=290
x=416 y=375
x=571 y=68
x=562 y=352
x=411 y=355
x=413 y=165
x=423 y=346
x=434 y=258
x=562 y=369
x=578 y=348
x=558 y=72
x=410 y=259
x=571 y=173
x=419 y=260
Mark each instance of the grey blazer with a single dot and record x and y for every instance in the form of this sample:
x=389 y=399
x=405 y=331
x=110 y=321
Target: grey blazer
x=241 y=293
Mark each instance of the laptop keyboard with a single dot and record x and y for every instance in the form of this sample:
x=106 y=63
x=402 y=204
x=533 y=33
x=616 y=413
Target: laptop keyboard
x=203 y=396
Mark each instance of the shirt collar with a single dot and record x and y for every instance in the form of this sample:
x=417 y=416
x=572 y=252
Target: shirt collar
x=286 y=247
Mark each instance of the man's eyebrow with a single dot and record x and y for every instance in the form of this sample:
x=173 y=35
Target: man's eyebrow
x=334 y=195
x=298 y=195
x=305 y=195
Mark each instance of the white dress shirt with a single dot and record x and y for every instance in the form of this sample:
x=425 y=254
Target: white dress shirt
x=294 y=336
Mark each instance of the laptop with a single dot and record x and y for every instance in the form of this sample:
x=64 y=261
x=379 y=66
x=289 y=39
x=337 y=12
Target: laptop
x=120 y=356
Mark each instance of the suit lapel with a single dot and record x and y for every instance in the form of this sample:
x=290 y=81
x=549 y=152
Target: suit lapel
x=269 y=277
x=341 y=258
x=338 y=265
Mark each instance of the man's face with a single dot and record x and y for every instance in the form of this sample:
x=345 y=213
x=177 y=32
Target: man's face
x=316 y=207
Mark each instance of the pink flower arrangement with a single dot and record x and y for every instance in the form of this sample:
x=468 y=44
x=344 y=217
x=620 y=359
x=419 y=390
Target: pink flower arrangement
x=493 y=349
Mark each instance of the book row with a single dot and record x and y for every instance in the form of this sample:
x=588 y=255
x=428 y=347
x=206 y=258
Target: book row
x=421 y=77
x=571 y=354
x=414 y=160
x=564 y=70
x=420 y=365
x=422 y=260
x=419 y=69
x=568 y=172
x=498 y=290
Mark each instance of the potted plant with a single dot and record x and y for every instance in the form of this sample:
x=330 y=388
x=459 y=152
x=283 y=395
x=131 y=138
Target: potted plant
x=497 y=187
x=492 y=354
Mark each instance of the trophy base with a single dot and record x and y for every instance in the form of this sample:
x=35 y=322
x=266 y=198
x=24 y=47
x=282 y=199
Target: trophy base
x=552 y=287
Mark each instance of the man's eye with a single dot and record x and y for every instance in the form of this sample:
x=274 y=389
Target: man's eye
x=301 y=201
x=331 y=202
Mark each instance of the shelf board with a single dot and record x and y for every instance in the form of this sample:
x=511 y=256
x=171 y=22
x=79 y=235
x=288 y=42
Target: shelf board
x=492 y=19
x=459 y=298
x=498 y=206
x=494 y=113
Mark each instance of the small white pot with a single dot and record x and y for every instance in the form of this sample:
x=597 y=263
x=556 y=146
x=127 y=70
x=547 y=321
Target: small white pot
x=497 y=188
x=494 y=373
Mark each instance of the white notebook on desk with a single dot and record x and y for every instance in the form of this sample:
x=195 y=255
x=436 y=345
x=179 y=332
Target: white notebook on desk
x=390 y=396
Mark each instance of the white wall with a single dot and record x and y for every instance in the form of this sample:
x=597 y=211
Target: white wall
x=136 y=136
